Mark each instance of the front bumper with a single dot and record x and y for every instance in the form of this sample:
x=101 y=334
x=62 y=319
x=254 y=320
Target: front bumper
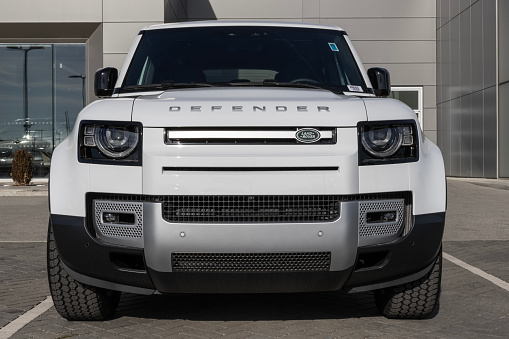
x=148 y=269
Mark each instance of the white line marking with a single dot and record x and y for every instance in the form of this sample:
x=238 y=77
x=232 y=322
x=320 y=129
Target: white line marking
x=18 y=323
x=499 y=282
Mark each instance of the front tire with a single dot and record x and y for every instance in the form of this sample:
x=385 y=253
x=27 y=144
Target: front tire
x=74 y=300
x=414 y=300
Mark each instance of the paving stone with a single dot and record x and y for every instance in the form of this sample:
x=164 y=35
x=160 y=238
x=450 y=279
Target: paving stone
x=489 y=256
x=468 y=303
x=471 y=307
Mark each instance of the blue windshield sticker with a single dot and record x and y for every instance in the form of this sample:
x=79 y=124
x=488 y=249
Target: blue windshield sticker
x=333 y=47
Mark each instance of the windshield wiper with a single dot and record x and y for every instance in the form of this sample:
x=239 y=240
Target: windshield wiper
x=141 y=88
x=298 y=84
x=266 y=83
x=164 y=86
x=171 y=84
x=302 y=84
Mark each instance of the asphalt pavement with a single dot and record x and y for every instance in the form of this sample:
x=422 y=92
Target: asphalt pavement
x=474 y=302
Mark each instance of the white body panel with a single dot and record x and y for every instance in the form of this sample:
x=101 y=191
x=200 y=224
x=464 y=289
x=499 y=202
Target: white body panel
x=258 y=107
x=425 y=178
x=382 y=109
x=249 y=170
x=342 y=155
x=71 y=180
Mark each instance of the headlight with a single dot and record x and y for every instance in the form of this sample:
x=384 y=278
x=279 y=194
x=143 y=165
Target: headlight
x=116 y=141
x=382 y=141
x=387 y=142
x=110 y=142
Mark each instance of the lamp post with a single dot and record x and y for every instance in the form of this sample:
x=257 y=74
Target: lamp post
x=82 y=77
x=25 y=82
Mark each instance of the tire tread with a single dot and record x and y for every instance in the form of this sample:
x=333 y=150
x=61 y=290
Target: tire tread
x=414 y=300
x=72 y=299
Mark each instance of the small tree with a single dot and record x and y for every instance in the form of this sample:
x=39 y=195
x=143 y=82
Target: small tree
x=22 y=167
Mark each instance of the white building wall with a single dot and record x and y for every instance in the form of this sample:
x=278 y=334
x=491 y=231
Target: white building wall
x=32 y=11
x=122 y=20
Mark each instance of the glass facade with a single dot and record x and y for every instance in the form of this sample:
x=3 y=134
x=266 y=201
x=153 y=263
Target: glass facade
x=42 y=90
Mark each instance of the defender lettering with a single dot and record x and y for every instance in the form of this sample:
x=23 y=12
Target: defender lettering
x=254 y=108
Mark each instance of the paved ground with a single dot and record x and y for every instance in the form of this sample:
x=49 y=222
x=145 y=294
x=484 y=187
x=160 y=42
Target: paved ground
x=477 y=233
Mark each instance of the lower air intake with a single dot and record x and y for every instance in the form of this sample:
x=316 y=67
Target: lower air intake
x=251 y=209
x=389 y=228
x=374 y=230
x=134 y=230
x=251 y=262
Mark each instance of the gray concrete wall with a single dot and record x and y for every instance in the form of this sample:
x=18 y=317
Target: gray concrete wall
x=395 y=34
x=467 y=91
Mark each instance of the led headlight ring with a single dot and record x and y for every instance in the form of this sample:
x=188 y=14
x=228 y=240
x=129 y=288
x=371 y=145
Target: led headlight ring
x=382 y=141
x=116 y=141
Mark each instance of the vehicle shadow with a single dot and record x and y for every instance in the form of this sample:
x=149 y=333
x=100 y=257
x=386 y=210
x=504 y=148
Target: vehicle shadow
x=249 y=307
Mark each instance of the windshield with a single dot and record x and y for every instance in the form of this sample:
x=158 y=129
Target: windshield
x=243 y=56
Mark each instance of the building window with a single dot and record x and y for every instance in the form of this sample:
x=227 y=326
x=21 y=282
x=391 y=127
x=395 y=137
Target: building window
x=42 y=90
x=412 y=96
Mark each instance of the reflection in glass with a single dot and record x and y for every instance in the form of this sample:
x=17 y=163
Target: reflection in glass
x=69 y=90
x=411 y=98
x=39 y=99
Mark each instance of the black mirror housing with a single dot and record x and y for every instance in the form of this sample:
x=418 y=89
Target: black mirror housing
x=104 y=82
x=381 y=81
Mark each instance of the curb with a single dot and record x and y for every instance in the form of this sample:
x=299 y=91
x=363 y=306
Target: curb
x=36 y=190
x=501 y=184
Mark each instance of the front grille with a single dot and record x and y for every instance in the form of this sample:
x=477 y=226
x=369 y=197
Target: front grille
x=251 y=262
x=255 y=209
x=246 y=136
x=250 y=209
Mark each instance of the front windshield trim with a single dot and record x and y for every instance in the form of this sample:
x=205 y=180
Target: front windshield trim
x=335 y=88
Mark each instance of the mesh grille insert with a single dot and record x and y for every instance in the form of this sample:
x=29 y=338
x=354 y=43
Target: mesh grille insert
x=251 y=262
x=250 y=209
x=118 y=230
x=380 y=229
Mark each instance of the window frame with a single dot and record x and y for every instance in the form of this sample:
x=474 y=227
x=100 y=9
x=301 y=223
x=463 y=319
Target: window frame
x=420 y=99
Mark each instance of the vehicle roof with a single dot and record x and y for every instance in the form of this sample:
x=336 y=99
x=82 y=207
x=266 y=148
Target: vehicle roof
x=239 y=23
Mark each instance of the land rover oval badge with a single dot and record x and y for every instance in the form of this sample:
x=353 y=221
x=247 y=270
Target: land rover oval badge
x=307 y=135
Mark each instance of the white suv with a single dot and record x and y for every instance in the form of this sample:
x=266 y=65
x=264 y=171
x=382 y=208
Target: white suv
x=245 y=157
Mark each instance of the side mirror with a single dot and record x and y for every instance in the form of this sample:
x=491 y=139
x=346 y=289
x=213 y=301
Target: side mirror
x=381 y=81
x=104 y=82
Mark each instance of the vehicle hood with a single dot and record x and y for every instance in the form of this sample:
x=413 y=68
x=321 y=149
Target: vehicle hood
x=228 y=107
